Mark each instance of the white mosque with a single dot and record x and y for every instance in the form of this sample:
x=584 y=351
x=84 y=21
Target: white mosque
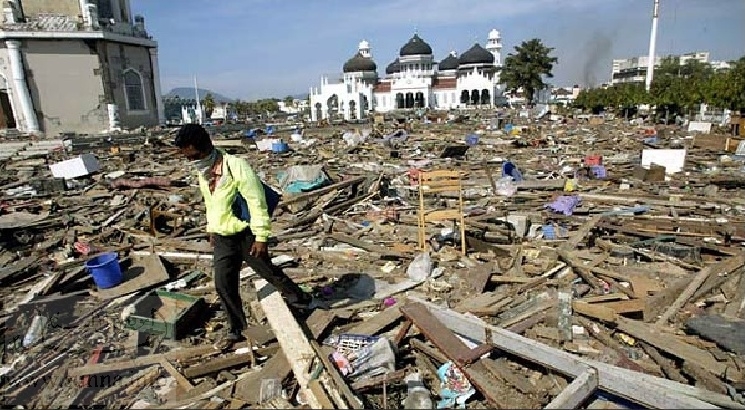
x=414 y=80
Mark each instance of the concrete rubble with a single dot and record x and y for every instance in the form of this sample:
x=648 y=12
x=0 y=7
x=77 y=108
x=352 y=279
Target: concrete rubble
x=604 y=269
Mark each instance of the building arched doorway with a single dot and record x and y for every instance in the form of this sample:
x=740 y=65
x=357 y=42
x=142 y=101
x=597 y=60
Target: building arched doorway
x=464 y=97
x=400 y=103
x=332 y=106
x=352 y=110
x=485 y=97
x=319 y=111
x=7 y=116
x=365 y=105
x=409 y=100
x=419 y=100
x=474 y=97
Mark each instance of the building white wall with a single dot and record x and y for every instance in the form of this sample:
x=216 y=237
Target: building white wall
x=350 y=100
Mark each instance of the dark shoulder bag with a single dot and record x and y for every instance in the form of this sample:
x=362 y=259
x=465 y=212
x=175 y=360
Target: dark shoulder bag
x=240 y=206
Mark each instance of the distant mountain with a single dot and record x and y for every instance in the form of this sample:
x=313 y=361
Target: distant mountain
x=186 y=92
x=300 y=96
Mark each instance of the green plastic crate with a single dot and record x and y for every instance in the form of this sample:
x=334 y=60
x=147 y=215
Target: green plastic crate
x=165 y=313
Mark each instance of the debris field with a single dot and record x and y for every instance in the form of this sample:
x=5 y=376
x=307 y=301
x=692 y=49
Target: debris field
x=575 y=264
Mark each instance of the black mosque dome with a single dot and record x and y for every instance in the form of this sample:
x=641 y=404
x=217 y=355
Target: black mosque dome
x=477 y=55
x=359 y=63
x=393 y=67
x=415 y=46
x=449 y=63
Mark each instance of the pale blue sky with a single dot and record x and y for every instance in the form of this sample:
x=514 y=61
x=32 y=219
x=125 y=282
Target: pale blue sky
x=261 y=48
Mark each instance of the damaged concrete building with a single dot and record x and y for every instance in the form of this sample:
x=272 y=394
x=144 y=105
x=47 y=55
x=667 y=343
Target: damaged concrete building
x=83 y=66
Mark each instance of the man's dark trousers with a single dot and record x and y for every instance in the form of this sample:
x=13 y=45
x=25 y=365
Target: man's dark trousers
x=229 y=254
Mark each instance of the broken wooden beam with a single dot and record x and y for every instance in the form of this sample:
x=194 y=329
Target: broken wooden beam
x=727 y=266
x=640 y=388
x=454 y=349
x=295 y=345
x=217 y=365
x=578 y=391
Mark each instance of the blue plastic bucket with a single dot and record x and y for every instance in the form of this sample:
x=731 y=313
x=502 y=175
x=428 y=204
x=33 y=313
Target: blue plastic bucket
x=280 y=147
x=105 y=270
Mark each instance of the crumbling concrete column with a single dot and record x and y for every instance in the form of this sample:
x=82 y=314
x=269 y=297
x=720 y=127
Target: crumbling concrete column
x=29 y=122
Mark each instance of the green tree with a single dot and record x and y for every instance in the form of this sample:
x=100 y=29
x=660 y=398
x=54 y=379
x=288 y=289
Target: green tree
x=675 y=89
x=288 y=101
x=209 y=104
x=267 y=106
x=734 y=86
x=527 y=66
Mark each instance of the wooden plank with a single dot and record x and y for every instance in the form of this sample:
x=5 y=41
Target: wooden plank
x=640 y=388
x=336 y=377
x=314 y=386
x=595 y=311
x=291 y=338
x=580 y=234
x=139 y=361
x=277 y=367
x=656 y=303
x=668 y=366
x=216 y=365
x=704 y=378
x=664 y=341
x=610 y=297
x=737 y=304
x=376 y=381
x=319 y=320
x=180 y=379
x=577 y=392
x=370 y=247
x=530 y=312
x=378 y=322
x=249 y=389
x=454 y=349
x=502 y=370
x=626 y=306
x=725 y=266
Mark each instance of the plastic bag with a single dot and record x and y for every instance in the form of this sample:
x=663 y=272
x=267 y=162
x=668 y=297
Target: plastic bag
x=420 y=268
x=505 y=187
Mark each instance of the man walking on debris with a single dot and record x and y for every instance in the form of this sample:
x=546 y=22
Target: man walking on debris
x=238 y=207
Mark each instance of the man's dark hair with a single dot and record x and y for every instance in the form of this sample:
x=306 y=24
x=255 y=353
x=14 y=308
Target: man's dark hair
x=193 y=135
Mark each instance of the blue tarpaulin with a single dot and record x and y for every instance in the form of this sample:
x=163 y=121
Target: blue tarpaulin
x=510 y=170
x=302 y=178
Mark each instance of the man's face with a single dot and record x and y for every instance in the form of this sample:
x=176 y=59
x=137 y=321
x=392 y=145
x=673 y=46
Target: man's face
x=192 y=154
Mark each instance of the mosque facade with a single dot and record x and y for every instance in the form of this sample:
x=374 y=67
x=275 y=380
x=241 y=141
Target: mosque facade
x=414 y=80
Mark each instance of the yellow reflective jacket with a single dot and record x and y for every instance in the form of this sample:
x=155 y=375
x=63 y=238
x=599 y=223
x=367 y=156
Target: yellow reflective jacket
x=239 y=177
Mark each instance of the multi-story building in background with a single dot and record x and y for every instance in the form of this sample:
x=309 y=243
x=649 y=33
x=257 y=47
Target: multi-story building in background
x=634 y=70
x=84 y=66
